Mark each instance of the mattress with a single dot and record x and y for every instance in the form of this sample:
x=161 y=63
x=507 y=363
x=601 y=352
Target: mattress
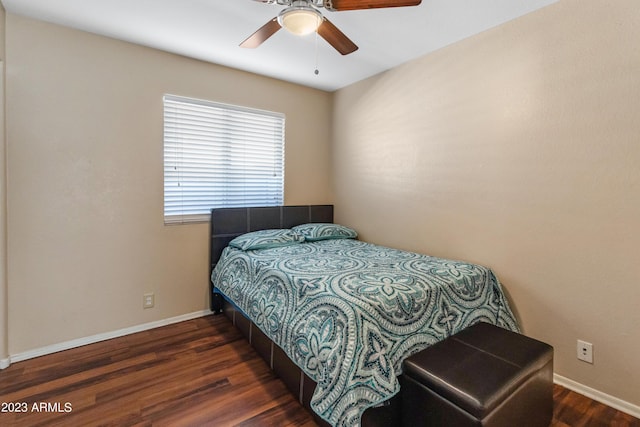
x=349 y=312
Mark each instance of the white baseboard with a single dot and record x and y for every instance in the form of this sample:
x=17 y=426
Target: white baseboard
x=601 y=397
x=99 y=337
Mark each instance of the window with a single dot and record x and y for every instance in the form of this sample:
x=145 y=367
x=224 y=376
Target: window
x=218 y=155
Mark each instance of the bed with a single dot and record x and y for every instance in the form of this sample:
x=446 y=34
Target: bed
x=335 y=317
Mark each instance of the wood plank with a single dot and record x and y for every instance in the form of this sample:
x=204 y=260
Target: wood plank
x=198 y=372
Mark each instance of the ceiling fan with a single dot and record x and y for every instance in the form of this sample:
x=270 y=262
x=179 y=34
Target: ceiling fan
x=302 y=17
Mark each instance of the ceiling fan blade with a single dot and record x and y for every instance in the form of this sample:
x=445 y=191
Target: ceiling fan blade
x=336 y=38
x=263 y=33
x=336 y=5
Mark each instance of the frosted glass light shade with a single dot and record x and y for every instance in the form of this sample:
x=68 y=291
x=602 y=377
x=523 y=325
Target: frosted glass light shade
x=300 y=20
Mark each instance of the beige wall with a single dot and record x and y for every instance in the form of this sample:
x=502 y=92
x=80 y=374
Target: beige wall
x=86 y=233
x=4 y=337
x=518 y=149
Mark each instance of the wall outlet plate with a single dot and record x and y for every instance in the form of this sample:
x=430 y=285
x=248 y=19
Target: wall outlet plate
x=148 y=300
x=585 y=351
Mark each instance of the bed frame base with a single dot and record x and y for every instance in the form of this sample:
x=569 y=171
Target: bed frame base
x=298 y=383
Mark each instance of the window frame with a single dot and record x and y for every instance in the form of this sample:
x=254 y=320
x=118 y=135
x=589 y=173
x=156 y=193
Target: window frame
x=219 y=155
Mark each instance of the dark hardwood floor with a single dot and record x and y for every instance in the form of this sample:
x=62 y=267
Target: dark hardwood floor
x=197 y=373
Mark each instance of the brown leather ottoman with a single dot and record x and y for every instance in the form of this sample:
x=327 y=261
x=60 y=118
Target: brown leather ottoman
x=482 y=376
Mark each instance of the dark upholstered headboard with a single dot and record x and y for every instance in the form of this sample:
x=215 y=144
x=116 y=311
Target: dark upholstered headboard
x=228 y=223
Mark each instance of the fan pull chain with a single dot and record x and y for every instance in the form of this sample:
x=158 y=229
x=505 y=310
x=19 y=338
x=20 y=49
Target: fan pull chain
x=316 y=72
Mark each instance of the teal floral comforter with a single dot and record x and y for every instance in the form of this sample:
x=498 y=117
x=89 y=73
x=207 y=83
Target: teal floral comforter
x=348 y=312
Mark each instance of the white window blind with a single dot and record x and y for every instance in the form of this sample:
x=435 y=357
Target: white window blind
x=218 y=155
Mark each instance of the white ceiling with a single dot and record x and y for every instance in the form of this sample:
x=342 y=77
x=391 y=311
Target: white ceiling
x=211 y=30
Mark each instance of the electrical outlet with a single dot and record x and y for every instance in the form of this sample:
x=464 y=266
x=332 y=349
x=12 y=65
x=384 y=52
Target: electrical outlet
x=148 y=300
x=585 y=351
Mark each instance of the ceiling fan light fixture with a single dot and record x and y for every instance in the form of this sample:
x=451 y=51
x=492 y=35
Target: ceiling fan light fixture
x=300 y=20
